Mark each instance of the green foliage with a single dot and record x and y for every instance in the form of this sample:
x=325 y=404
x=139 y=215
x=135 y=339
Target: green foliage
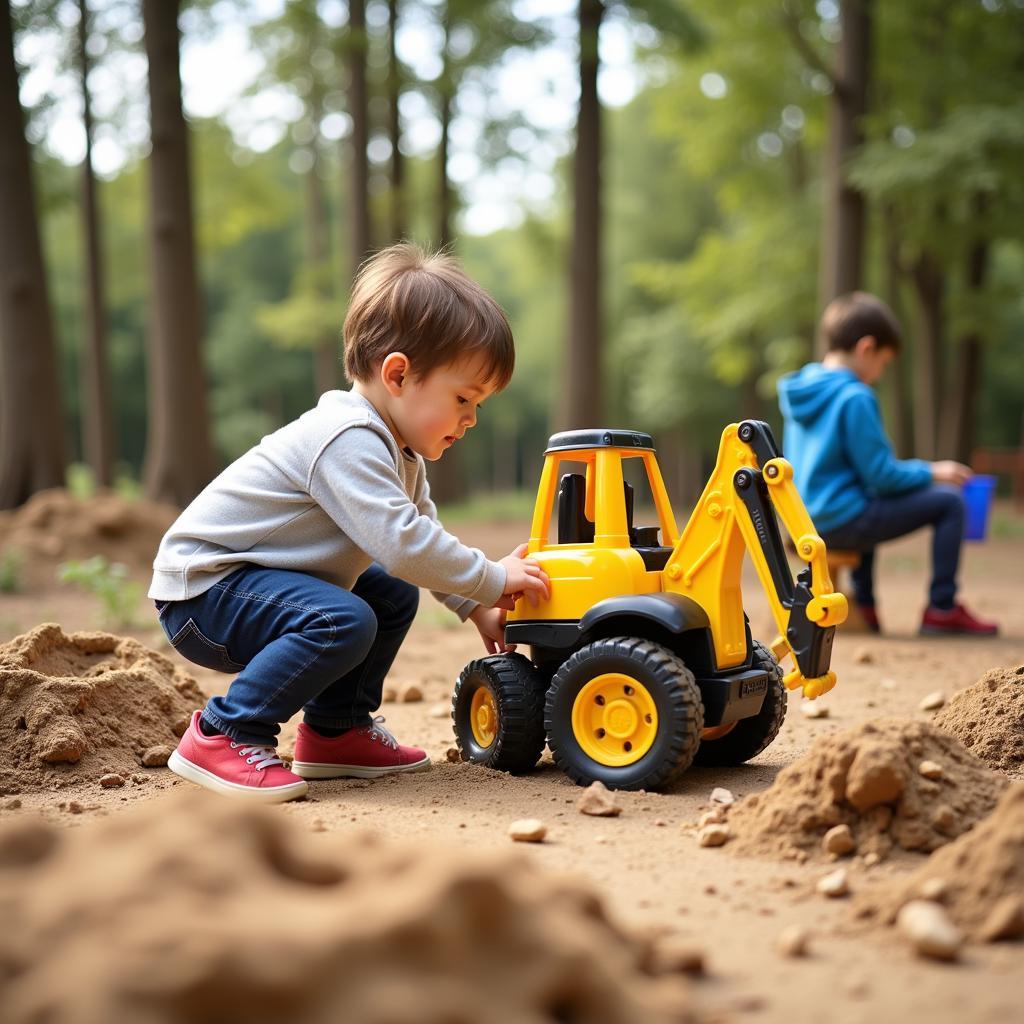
x=109 y=582
x=80 y=481
x=10 y=571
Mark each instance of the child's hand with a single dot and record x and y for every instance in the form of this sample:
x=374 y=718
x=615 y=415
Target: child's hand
x=524 y=577
x=949 y=472
x=490 y=623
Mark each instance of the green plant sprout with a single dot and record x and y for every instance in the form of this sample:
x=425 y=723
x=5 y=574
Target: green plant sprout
x=10 y=571
x=109 y=582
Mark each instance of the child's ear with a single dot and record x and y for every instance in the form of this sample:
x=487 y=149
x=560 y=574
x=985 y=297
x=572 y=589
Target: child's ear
x=867 y=345
x=393 y=372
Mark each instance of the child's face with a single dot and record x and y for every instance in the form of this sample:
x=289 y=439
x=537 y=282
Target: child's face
x=432 y=413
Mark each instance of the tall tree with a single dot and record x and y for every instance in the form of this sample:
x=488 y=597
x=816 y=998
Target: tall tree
x=359 y=238
x=179 y=456
x=394 y=84
x=97 y=420
x=31 y=417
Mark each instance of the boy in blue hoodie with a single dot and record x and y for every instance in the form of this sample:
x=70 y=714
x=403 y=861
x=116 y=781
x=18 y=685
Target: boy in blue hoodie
x=856 y=491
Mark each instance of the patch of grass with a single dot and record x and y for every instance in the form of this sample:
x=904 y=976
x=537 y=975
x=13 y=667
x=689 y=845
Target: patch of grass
x=109 y=582
x=10 y=571
x=1007 y=524
x=496 y=506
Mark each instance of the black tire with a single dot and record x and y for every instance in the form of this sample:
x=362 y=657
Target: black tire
x=753 y=734
x=669 y=683
x=517 y=692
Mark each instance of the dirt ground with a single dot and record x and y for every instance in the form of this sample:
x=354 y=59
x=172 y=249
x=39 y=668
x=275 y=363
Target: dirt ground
x=647 y=863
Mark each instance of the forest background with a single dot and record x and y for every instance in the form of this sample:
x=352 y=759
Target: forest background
x=178 y=291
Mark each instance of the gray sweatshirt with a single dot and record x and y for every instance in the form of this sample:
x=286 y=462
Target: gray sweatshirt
x=327 y=495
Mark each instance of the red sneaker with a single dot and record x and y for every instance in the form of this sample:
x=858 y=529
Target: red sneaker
x=365 y=753
x=246 y=771
x=869 y=613
x=957 y=621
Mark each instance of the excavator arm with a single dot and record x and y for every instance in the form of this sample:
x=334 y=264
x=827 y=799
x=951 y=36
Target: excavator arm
x=750 y=486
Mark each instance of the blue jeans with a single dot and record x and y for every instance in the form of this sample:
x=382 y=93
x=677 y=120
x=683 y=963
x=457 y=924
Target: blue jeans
x=940 y=507
x=295 y=642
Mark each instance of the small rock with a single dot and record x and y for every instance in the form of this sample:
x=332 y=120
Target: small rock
x=871 y=859
x=528 y=830
x=442 y=709
x=887 y=683
x=934 y=889
x=722 y=796
x=933 y=701
x=453 y=755
x=675 y=956
x=389 y=695
x=411 y=694
x=792 y=941
x=317 y=826
x=112 y=780
x=660 y=822
x=835 y=884
x=930 y=769
x=713 y=817
x=600 y=840
x=12 y=805
x=863 y=656
x=1005 y=921
x=714 y=835
x=596 y=800
x=944 y=819
x=812 y=709
x=156 y=757
x=929 y=929
x=74 y=807
x=839 y=840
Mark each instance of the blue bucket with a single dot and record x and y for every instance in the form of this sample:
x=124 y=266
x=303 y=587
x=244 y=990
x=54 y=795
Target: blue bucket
x=978 y=492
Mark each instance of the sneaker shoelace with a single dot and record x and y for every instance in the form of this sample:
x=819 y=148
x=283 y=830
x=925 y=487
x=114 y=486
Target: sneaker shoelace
x=261 y=757
x=378 y=732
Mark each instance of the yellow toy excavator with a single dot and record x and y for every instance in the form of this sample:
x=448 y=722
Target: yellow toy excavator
x=641 y=660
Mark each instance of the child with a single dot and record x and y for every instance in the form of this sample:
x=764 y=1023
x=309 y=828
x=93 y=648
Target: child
x=857 y=492
x=298 y=567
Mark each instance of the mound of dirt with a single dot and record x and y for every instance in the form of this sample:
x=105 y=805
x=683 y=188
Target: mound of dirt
x=54 y=526
x=194 y=908
x=988 y=718
x=893 y=782
x=75 y=707
x=979 y=877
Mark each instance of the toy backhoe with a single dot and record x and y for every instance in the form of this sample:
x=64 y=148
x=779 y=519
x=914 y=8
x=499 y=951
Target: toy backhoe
x=641 y=660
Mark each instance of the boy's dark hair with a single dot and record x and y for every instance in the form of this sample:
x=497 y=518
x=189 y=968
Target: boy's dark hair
x=425 y=305
x=856 y=315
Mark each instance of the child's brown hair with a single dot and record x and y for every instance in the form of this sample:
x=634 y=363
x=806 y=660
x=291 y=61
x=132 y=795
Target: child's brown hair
x=857 y=315
x=425 y=305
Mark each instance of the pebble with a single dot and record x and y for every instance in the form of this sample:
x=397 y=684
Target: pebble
x=112 y=780
x=714 y=835
x=934 y=889
x=929 y=929
x=442 y=709
x=835 y=884
x=12 y=805
x=713 y=817
x=452 y=755
x=675 y=956
x=933 y=701
x=930 y=769
x=156 y=757
x=722 y=796
x=411 y=694
x=793 y=941
x=528 y=830
x=812 y=709
x=839 y=840
x=871 y=859
x=597 y=801
x=74 y=807
x=863 y=656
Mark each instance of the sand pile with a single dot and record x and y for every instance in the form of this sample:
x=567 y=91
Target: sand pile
x=75 y=707
x=193 y=908
x=893 y=782
x=979 y=878
x=988 y=718
x=54 y=526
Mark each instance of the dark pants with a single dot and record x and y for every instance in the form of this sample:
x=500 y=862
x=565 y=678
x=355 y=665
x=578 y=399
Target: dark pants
x=295 y=642
x=940 y=507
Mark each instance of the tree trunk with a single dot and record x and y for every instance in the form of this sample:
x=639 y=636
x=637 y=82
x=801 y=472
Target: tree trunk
x=583 y=405
x=398 y=229
x=359 y=173
x=179 y=459
x=444 y=190
x=958 y=439
x=929 y=280
x=842 y=244
x=31 y=418
x=325 y=352
x=898 y=380
x=97 y=419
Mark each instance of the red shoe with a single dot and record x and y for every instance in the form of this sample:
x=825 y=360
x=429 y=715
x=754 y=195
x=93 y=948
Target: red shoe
x=958 y=621
x=246 y=771
x=869 y=613
x=365 y=753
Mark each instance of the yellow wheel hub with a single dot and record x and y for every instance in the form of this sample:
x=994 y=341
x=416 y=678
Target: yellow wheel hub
x=483 y=717
x=614 y=719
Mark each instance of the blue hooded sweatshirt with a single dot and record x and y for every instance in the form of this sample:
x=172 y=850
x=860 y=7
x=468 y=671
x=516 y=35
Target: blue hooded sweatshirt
x=834 y=438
